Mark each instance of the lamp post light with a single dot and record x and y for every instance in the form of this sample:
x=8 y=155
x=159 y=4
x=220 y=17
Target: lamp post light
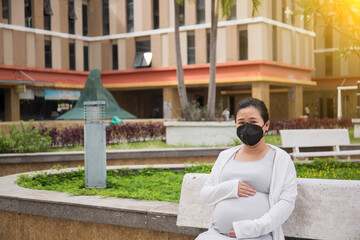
x=95 y=144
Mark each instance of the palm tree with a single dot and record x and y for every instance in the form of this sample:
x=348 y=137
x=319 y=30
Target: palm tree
x=179 y=67
x=226 y=11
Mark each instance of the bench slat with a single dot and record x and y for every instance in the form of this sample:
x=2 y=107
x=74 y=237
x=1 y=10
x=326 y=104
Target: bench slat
x=324 y=154
x=314 y=137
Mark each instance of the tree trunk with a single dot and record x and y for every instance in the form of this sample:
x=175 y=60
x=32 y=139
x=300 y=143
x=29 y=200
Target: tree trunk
x=210 y=113
x=179 y=67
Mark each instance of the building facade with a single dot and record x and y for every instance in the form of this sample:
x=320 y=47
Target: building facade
x=50 y=45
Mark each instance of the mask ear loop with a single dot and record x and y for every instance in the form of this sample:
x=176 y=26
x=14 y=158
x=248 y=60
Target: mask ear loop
x=267 y=130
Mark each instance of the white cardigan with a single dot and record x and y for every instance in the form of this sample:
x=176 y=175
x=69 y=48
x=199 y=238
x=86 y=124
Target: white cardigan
x=282 y=195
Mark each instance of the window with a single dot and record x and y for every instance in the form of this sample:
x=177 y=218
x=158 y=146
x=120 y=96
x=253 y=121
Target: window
x=156 y=13
x=143 y=54
x=47 y=15
x=232 y=12
x=243 y=44
x=6 y=11
x=208 y=47
x=200 y=11
x=328 y=65
x=48 y=62
x=115 y=65
x=72 y=17
x=72 y=55
x=182 y=14
x=85 y=19
x=28 y=13
x=191 y=48
x=105 y=17
x=129 y=15
x=86 y=58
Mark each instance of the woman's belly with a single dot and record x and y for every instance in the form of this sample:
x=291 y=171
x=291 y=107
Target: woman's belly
x=236 y=209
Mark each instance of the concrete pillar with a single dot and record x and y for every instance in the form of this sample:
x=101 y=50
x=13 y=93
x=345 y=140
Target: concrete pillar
x=171 y=103
x=295 y=102
x=12 y=105
x=261 y=91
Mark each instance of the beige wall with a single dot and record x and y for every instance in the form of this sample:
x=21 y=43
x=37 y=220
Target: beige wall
x=259 y=41
x=65 y=64
x=17 y=17
x=8 y=47
x=55 y=18
x=171 y=47
x=122 y=53
x=261 y=90
x=221 y=45
x=130 y=52
x=40 y=51
x=106 y=55
x=184 y=50
x=38 y=19
x=287 y=49
x=12 y=105
x=79 y=55
x=295 y=102
x=156 y=49
x=243 y=9
x=30 y=50
x=207 y=11
x=19 y=51
x=95 y=55
x=56 y=53
x=78 y=22
x=165 y=50
x=121 y=16
x=138 y=18
x=200 y=45
x=95 y=21
x=232 y=43
x=164 y=7
x=190 y=13
x=64 y=17
x=170 y=94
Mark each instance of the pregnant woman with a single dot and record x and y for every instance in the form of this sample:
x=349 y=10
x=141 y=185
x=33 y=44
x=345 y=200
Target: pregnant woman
x=253 y=186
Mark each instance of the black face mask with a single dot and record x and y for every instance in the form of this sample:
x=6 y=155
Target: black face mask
x=250 y=134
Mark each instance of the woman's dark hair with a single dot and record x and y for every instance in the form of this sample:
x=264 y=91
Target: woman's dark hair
x=256 y=103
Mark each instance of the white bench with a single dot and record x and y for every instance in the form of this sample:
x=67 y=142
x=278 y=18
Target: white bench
x=324 y=209
x=317 y=138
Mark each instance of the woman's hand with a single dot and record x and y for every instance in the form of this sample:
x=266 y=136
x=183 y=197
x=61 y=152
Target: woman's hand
x=231 y=234
x=245 y=190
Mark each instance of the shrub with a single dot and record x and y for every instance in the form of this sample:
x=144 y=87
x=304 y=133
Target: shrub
x=193 y=112
x=311 y=123
x=27 y=139
x=128 y=132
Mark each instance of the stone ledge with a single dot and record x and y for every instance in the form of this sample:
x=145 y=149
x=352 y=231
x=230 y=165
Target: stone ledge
x=110 y=154
x=151 y=215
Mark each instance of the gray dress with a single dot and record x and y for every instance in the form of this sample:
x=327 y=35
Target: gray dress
x=258 y=175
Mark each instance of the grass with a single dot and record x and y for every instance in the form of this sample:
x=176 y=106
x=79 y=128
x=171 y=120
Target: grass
x=164 y=184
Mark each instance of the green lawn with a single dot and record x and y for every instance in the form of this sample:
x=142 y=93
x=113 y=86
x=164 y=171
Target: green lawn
x=164 y=184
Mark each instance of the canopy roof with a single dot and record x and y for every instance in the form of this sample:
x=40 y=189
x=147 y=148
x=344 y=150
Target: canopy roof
x=95 y=91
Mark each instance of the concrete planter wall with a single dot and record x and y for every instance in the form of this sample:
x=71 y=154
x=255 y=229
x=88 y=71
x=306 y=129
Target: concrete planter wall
x=200 y=133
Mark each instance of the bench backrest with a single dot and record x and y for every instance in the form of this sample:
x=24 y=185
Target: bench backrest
x=314 y=137
x=324 y=209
